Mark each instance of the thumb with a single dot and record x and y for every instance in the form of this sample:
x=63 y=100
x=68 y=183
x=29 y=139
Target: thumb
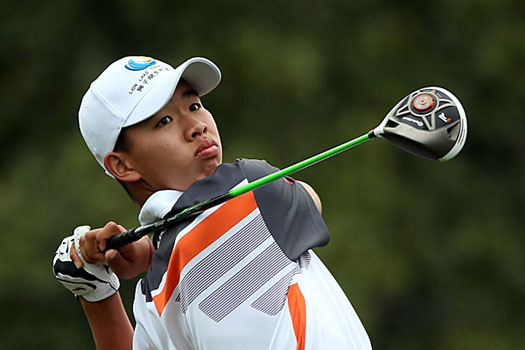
x=117 y=262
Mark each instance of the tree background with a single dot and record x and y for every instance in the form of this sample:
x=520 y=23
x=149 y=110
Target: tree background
x=431 y=255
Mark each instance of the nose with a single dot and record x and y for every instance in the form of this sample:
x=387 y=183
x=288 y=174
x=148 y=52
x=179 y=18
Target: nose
x=194 y=129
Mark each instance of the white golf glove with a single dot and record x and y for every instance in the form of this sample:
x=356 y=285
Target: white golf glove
x=92 y=282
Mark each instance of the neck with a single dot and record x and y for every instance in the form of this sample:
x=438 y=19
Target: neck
x=141 y=199
x=138 y=193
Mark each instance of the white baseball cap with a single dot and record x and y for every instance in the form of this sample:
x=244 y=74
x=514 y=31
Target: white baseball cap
x=133 y=89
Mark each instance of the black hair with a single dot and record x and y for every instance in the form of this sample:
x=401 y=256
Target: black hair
x=123 y=144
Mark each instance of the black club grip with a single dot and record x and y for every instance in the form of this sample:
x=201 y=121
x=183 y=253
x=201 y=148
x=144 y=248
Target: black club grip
x=122 y=239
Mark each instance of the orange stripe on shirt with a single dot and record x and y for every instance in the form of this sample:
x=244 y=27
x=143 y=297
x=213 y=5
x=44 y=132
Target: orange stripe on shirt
x=200 y=237
x=297 y=307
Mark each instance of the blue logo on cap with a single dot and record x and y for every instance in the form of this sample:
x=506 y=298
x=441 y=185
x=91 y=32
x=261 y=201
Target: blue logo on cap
x=140 y=63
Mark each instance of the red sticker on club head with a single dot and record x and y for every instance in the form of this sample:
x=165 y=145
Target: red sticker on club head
x=423 y=102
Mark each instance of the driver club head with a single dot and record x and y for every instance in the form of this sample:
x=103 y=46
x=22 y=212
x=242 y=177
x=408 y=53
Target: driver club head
x=430 y=122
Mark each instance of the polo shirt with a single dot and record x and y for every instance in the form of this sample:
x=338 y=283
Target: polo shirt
x=242 y=275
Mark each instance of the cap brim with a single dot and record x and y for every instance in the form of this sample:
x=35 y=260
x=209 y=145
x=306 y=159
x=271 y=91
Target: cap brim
x=200 y=73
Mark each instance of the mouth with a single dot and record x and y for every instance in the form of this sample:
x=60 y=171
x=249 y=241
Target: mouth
x=207 y=149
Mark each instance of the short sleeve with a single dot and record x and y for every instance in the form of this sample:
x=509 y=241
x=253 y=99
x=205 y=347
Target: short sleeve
x=288 y=211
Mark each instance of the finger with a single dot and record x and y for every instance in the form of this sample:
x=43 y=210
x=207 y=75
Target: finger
x=111 y=229
x=113 y=259
x=119 y=264
x=89 y=248
x=74 y=257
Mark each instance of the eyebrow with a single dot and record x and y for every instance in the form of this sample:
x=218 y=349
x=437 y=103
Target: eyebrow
x=190 y=92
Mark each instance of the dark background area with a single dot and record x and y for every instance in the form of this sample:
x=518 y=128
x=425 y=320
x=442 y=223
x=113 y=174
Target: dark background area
x=430 y=254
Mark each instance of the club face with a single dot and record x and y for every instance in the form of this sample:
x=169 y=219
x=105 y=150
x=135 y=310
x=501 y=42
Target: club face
x=430 y=122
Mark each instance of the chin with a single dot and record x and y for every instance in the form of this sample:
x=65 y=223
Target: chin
x=211 y=167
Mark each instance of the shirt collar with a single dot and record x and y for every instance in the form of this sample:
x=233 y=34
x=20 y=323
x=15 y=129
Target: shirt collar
x=158 y=205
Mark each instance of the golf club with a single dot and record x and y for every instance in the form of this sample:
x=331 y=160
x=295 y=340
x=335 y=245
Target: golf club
x=429 y=122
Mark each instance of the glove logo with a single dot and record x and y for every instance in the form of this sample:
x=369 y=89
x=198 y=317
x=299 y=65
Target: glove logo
x=140 y=63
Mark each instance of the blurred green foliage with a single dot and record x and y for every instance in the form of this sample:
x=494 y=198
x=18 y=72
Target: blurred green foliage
x=431 y=255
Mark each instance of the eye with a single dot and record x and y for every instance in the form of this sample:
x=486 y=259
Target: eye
x=164 y=121
x=195 y=107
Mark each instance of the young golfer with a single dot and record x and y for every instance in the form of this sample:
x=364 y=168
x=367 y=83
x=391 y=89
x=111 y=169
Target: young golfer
x=241 y=275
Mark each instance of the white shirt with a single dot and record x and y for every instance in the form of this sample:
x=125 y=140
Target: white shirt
x=230 y=292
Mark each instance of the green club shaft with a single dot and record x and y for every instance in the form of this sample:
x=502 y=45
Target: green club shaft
x=298 y=166
x=136 y=233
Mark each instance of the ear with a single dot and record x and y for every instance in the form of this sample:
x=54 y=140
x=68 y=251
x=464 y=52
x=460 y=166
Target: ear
x=120 y=167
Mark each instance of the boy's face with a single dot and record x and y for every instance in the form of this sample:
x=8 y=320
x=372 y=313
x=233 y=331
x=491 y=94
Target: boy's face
x=177 y=146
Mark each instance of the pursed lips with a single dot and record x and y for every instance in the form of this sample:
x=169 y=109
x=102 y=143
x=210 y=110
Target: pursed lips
x=207 y=149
